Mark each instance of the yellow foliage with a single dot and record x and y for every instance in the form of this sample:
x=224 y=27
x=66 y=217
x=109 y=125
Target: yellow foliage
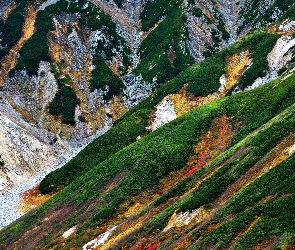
x=10 y=8
x=9 y=61
x=236 y=65
x=31 y=199
x=24 y=114
x=215 y=141
x=117 y=107
x=123 y=231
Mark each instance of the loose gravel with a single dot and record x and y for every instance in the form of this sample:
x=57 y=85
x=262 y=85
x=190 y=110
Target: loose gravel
x=10 y=200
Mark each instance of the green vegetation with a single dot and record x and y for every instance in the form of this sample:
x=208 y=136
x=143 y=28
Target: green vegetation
x=98 y=151
x=116 y=171
x=143 y=164
x=197 y=12
x=278 y=184
x=277 y=214
x=290 y=13
x=102 y=76
x=119 y=2
x=163 y=51
x=11 y=30
x=64 y=103
x=36 y=48
x=221 y=25
x=205 y=79
x=154 y=11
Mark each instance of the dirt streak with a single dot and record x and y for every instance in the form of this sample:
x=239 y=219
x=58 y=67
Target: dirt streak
x=9 y=61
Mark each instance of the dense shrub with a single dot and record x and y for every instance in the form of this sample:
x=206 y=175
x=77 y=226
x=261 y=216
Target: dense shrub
x=154 y=11
x=102 y=77
x=64 y=103
x=36 y=48
x=11 y=30
x=98 y=151
x=163 y=51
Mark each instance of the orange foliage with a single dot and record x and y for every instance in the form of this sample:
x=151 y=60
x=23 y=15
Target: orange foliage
x=214 y=142
x=32 y=198
x=9 y=61
x=153 y=247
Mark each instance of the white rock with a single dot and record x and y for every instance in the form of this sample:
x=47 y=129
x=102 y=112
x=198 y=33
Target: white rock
x=183 y=219
x=101 y=239
x=165 y=113
x=69 y=232
x=287 y=25
x=277 y=58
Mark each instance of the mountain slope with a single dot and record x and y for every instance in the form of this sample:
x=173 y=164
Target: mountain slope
x=192 y=183
x=72 y=68
x=218 y=175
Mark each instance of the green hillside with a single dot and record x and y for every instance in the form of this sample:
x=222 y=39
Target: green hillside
x=219 y=176
x=241 y=197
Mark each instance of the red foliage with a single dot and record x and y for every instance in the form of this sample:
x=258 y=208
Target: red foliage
x=189 y=173
x=194 y=169
x=153 y=115
x=201 y=164
x=31 y=192
x=153 y=247
x=138 y=247
x=161 y=192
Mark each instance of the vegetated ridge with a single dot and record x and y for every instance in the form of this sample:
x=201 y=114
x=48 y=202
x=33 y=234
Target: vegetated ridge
x=70 y=69
x=206 y=161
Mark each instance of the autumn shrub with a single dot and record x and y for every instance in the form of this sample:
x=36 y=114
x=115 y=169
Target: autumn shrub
x=64 y=103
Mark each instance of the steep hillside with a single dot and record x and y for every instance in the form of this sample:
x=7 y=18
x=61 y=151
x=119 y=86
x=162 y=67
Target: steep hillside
x=192 y=103
x=200 y=164
x=72 y=68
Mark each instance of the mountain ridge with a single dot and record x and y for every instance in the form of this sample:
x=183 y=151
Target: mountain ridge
x=215 y=136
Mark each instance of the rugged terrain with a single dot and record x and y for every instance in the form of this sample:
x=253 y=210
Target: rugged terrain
x=219 y=175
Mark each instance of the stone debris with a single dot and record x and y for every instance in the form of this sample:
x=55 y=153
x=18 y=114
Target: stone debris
x=25 y=149
x=47 y=3
x=183 y=219
x=10 y=200
x=3 y=7
x=69 y=232
x=287 y=25
x=165 y=113
x=200 y=31
x=101 y=239
x=136 y=89
x=277 y=58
